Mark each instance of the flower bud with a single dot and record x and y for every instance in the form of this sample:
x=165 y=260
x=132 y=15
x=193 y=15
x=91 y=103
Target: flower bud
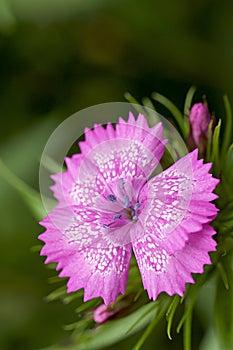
x=102 y=313
x=199 y=119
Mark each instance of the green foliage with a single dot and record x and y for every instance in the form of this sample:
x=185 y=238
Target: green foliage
x=28 y=194
x=224 y=304
x=134 y=312
x=112 y=332
x=181 y=121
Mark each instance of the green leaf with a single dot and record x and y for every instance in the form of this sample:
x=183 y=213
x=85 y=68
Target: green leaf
x=191 y=296
x=178 y=116
x=153 y=116
x=28 y=194
x=187 y=331
x=215 y=156
x=228 y=167
x=170 y=314
x=79 y=326
x=153 y=307
x=209 y=141
x=224 y=306
x=135 y=103
x=228 y=130
x=51 y=165
x=158 y=315
x=111 y=332
x=188 y=100
x=210 y=340
x=56 y=294
x=223 y=275
x=87 y=305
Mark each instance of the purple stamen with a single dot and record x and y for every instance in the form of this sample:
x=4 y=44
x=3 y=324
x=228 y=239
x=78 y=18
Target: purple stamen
x=106 y=226
x=117 y=216
x=111 y=198
x=127 y=203
x=137 y=206
x=121 y=183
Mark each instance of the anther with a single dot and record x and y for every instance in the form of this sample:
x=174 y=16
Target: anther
x=121 y=183
x=117 y=216
x=127 y=203
x=111 y=198
x=137 y=206
x=106 y=226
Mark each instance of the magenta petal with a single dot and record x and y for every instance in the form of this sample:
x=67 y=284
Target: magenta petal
x=101 y=272
x=162 y=271
x=131 y=151
x=76 y=240
x=175 y=203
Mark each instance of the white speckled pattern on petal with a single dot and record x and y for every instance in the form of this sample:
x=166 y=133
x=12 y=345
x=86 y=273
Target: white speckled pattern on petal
x=107 y=205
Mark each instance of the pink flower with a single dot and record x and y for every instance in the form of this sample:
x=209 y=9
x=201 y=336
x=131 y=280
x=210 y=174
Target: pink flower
x=102 y=313
x=107 y=207
x=199 y=119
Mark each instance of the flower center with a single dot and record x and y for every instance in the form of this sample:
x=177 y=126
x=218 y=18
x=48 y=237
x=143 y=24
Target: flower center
x=130 y=208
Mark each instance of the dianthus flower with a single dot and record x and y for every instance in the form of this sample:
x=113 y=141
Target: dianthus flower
x=109 y=205
x=199 y=120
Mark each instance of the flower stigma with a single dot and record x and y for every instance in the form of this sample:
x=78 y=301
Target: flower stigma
x=130 y=209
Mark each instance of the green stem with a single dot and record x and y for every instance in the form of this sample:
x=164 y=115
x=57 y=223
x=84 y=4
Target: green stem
x=187 y=331
x=228 y=126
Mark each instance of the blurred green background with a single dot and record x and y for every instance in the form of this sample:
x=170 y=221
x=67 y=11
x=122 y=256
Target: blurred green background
x=59 y=56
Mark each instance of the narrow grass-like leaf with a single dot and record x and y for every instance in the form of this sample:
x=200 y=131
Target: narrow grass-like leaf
x=111 y=332
x=28 y=194
x=87 y=305
x=151 y=116
x=151 y=326
x=228 y=129
x=54 y=279
x=36 y=248
x=228 y=167
x=209 y=141
x=51 y=165
x=136 y=104
x=188 y=100
x=153 y=306
x=178 y=116
x=226 y=213
x=138 y=295
x=130 y=98
x=215 y=156
x=170 y=314
x=223 y=275
x=187 y=331
x=56 y=294
x=146 y=101
x=69 y=297
x=78 y=326
x=191 y=294
x=189 y=306
x=224 y=305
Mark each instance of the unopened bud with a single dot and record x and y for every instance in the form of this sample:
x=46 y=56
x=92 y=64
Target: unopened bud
x=102 y=313
x=199 y=119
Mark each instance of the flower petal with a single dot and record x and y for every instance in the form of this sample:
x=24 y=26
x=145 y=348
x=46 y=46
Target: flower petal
x=101 y=271
x=132 y=151
x=77 y=241
x=175 y=203
x=162 y=271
